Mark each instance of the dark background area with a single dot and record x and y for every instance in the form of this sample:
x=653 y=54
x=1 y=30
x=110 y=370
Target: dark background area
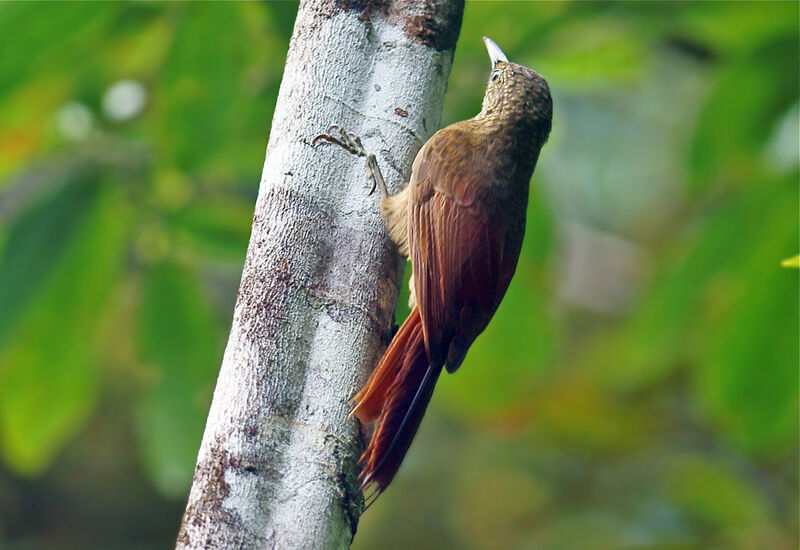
x=637 y=389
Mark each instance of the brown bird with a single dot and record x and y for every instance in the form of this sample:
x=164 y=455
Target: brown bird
x=460 y=220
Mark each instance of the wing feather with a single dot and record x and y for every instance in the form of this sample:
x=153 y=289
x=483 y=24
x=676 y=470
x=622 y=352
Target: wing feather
x=462 y=253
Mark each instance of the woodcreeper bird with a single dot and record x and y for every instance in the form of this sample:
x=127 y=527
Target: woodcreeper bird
x=460 y=221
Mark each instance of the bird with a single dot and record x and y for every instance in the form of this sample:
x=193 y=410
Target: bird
x=460 y=220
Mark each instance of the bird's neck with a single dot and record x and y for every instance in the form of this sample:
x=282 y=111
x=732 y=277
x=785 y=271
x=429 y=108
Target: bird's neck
x=508 y=136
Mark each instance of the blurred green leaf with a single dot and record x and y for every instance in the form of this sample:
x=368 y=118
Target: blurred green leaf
x=220 y=228
x=748 y=383
x=736 y=27
x=284 y=14
x=200 y=86
x=35 y=244
x=666 y=326
x=600 y=52
x=142 y=39
x=794 y=261
x=713 y=493
x=539 y=228
x=740 y=114
x=180 y=338
x=61 y=40
x=48 y=374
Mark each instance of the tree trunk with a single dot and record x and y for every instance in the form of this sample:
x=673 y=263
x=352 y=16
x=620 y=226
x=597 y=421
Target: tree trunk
x=277 y=465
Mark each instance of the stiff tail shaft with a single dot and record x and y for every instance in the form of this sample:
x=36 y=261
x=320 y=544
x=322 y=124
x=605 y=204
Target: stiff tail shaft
x=397 y=395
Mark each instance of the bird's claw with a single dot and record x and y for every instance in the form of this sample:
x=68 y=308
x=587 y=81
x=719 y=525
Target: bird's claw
x=352 y=143
x=347 y=140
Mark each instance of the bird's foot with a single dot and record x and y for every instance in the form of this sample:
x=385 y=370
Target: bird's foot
x=352 y=143
x=347 y=140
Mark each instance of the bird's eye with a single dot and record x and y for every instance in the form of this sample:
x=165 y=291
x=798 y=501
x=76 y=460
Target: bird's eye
x=495 y=76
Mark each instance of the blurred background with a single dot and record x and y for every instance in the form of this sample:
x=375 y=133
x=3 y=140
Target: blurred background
x=637 y=389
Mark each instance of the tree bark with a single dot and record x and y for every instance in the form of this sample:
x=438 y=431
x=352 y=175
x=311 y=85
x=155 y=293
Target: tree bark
x=277 y=465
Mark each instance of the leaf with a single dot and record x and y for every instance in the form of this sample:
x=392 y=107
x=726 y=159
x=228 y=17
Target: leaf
x=667 y=326
x=61 y=41
x=284 y=14
x=539 y=227
x=740 y=113
x=142 y=38
x=199 y=86
x=712 y=493
x=736 y=27
x=600 y=52
x=181 y=339
x=219 y=228
x=748 y=382
x=48 y=374
x=794 y=261
x=26 y=113
x=36 y=242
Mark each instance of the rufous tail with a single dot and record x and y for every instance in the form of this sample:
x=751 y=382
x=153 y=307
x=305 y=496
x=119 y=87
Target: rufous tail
x=396 y=395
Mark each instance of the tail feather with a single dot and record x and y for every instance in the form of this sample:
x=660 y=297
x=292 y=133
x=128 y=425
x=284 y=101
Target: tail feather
x=371 y=398
x=402 y=386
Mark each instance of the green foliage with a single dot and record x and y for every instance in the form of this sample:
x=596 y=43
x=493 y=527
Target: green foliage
x=36 y=241
x=794 y=261
x=748 y=383
x=638 y=387
x=740 y=113
x=76 y=244
x=48 y=367
x=180 y=337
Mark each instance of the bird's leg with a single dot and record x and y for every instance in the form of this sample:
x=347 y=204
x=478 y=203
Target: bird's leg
x=374 y=174
x=351 y=142
x=394 y=208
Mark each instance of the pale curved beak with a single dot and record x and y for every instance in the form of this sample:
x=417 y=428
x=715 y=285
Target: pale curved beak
x=495 y=53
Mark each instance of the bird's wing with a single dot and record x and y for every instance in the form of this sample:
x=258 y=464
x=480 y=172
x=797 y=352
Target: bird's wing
x=463 y=249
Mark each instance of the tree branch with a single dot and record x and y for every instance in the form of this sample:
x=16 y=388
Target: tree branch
x=277 y=463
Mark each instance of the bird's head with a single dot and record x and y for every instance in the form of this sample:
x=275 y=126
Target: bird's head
x=517 y=95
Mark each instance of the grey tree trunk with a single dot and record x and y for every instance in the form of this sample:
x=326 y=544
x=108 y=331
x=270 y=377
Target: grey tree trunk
x=277 y=465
